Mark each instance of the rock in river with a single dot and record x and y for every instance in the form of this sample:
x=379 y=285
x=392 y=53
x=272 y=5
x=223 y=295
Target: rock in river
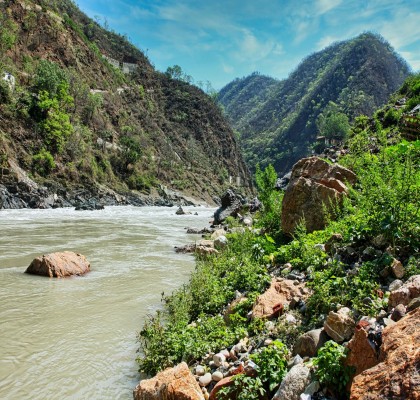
x=59 y=265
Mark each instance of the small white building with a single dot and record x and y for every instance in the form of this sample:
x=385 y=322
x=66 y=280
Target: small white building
x=10 y=80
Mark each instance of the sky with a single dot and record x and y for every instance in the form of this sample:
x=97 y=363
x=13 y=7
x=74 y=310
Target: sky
x=220 y=40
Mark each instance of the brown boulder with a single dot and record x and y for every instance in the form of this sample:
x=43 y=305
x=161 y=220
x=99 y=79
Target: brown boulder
x=407 y=292
x=310 y=342
x=280 y=293
x=339 y=325
x=176 y=383
x=59 y=265
x=362 y=354
x=397 y=376
x=314 y=186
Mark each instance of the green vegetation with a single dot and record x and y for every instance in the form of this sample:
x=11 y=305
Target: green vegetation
x=331 y=370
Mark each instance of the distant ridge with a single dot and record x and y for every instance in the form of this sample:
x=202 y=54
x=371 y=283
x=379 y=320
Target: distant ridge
x=276 y=120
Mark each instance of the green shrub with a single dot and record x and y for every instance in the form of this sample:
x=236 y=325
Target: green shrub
x=5 y=92
x=244 y=388
x=43 y=162
x=331 y=370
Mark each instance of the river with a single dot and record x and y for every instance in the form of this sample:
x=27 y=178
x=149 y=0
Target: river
x=75 y=338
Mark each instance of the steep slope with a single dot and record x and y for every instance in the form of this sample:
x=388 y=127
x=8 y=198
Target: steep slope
x=89 y=110
x=358 y=75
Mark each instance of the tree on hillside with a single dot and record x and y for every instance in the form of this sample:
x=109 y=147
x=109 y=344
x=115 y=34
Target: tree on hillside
x=332 y=123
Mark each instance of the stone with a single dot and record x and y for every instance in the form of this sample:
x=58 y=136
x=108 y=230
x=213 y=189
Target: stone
x=335 y=238
x=399 y=312
x=394 y=285
x=219 y=359
x=314 y=185
x=294 y=383
x=205 y=379
x=217 y=233
x=247 y=221
x=397 y=268
x=362 y=354
x=290 y=319
x=200 y=370
x=176 y=383
x=225 y=382
x=339 y=325
x=308 y=344
x=59 y=265
x=281 y=291
x=230 y=206
x=220 y=242
x=407 y=292
x=312 y=388
x=413 y=304
x=217 y=376
x=397 y=375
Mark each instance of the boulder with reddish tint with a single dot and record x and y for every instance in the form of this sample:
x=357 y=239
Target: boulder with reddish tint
x=59 y=265
x=339 y=325
x=362 y=354
x=279 y=294
x=176 y=383
x=397 y=376
x=407 y=292
x=314 y=186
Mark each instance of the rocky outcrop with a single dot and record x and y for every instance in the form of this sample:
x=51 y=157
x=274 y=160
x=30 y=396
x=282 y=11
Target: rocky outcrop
x=280 y=293
x=231 y=205
x=339 y=325
x=407 y=292
x=362 y=354
x=294 y=383
x=59 y=265
x=397 y=376
x=310 y=342
x=176 y=383
x=314 y=187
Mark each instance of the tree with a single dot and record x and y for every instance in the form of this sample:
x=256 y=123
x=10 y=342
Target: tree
x=332 y=123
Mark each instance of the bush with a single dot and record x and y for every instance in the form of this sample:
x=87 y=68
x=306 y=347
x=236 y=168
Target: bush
x=331 y=370
x=5 y=93
x=43 y=162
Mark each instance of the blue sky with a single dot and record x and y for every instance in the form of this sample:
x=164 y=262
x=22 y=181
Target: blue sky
x=220 y=40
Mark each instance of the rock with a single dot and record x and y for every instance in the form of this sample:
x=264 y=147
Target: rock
x=397 y=375
x=198 y=231
x=217 y=233
x=59 y=265
x=407 y=292
x=172 y=384
x=294 y=383
x=310 y=342
x=225 y=382
x=312 y=388
x=280 y=292
x=90 y=205
x=397 y=268
x=217 y=376
x=200 y=370
x=394 y=285
x=362 y=354
x=314 y=184
x=255 y=205
x=297 y=359
x=413 y=304
x=247 y=221
x=205 y=379
x=221 y=242
x=339 y=325
x=290 y=319
x=388 y=322
x=231 y=205
x=399 y=312
x=219 y=359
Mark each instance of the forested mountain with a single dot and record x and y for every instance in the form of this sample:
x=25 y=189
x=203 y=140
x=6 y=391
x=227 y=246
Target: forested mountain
x=277 y=120
x=81 y=107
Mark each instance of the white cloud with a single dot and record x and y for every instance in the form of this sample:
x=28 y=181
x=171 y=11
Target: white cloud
x=323 y=6
x=228 y=69
x=412 y=59
x=325 y=41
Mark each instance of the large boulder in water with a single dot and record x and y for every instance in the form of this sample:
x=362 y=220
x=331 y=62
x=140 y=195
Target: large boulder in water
x=314 y=187
x=59 y=265
x=231 y=205
x=176 y=383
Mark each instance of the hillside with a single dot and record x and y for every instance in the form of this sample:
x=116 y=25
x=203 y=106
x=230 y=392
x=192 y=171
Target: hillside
x=278 y=124
x=86 y=109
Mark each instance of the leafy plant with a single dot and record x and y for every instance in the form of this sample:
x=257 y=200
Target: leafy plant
x=43 y=162
x=331 y=370
x=244 y=388
x=272 y=364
